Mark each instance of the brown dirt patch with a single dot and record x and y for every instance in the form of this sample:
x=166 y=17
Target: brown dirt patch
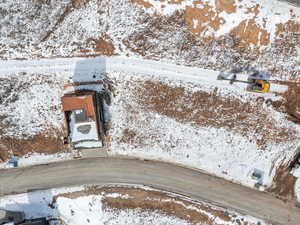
x=291 y=105
x=241 y=46
x=138 y=198
x=284 y=182
x=77 y=4
x=155 y=200
x=250 y=34
x=4 y=153
x=226 y=5
x=201 y=19
x=289 y=26
x=36 y=144
x=104 y=47
x=210 y=109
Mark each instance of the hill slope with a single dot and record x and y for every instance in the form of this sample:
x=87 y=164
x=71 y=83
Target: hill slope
x=155 y=112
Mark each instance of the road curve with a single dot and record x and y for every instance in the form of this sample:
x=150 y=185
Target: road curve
x=159 y=175
x=292 y=2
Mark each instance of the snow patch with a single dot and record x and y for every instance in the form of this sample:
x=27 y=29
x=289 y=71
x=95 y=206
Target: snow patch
x=89 y=209
x=36 y=159
x=35 y=204
x=270 y=13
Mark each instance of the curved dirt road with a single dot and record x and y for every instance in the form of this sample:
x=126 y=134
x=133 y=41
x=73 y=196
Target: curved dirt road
x=160 y=175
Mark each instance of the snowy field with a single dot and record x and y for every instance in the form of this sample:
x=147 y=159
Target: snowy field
x=37 y=105
x=233 y=152
x=86 y=205
x=248 y=34
x=139 y=132
x=36 y=159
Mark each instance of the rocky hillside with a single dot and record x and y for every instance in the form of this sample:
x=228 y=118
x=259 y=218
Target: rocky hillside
x=212 y=34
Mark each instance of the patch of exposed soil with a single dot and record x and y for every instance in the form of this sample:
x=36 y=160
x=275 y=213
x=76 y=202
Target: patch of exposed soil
x=210 y=109
x=250 y=34
x=42 y=143
x=288 y=27
x=77 y=4
x=45 y=141
x=4 y=153
x=215 y=53
x=200 y=20
x=150 y=200
x=292 y=104
x=284 y=182
x=104 y=47
x=155 y=200
x=242 y=45
x=201 y=16
x=226 y=5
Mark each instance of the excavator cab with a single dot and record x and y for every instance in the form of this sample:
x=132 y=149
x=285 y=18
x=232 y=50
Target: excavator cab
x=258 y=82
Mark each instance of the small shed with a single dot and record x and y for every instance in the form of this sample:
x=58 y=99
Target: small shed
x=84 y=117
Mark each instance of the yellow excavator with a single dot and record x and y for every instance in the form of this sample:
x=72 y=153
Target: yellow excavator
x=261 y=86
x=257 y=81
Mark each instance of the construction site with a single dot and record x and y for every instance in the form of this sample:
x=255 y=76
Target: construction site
x=208 y=85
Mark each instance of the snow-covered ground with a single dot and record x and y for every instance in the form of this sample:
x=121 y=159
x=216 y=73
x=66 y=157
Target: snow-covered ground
x=35 y=204
x=36 y=159
x=260 y=34
x=296 y=173
x=266 y=14
x=37 y=107
x=89 y=69
x=88 y=208
x=218 y=150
